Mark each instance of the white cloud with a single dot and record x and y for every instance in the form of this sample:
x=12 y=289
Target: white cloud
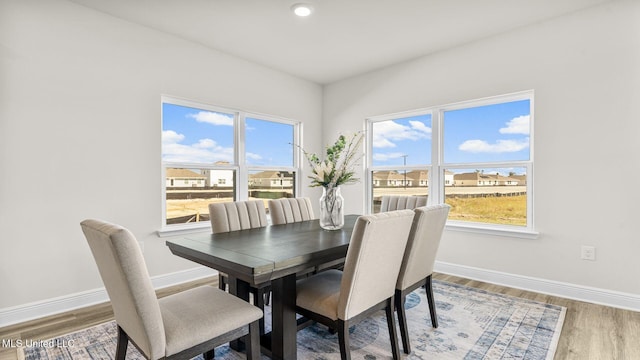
x=518 y=125
x=421 y=127
x=170 y=136
x=386 y=132
x=481 y=146
x=204 y=151
x=205 y=144
x=387 y=156
x=379 y=142
x=212 y=118
x=255 y=159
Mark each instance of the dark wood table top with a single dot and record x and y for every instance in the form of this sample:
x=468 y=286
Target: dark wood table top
x=260 y=255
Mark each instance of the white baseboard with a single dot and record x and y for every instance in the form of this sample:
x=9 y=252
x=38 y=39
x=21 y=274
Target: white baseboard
x=605 y=297
x=35 y=310
x=39 y=309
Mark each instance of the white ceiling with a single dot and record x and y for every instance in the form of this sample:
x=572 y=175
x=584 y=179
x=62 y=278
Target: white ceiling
x=342 y=38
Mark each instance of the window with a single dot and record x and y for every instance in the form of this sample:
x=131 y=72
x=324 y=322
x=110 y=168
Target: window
x=401 y=156
x=270 y=160
x=475 y=156
x=211 y=154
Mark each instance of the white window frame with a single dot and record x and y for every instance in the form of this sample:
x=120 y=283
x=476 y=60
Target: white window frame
x=436 y=169
x=239 y=165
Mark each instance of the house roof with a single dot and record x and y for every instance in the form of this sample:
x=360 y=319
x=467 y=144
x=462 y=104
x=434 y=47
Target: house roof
x=418 y=175
x=387 y=175
x=467 y=176
x=482 y=176
x=183 y=173
x=271 y=175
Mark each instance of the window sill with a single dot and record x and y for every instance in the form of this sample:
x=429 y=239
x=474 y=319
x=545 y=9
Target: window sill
x=175 y=230
x=506 y=231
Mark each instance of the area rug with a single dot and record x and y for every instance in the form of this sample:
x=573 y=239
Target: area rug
x=473 y=324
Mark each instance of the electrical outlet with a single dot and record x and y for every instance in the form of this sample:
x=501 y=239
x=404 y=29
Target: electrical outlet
x=588 y=253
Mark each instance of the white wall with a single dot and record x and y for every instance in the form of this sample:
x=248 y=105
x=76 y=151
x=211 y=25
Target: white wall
x=585 y=70
x=80 y=99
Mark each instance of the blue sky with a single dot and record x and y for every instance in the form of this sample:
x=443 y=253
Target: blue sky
x=489 y=133
x=200 y=136
x=497 y=132
x=268 y=143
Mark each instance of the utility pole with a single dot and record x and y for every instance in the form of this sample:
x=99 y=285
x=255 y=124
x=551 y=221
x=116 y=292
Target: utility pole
x=404 y=163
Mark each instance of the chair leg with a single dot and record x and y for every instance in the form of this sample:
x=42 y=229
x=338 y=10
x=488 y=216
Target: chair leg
x=343 y=340
x=432 y=303
x=391 y=323
x=252 y=341
x=267 y=297
x=222 y=282
x=123 y=342
x=210 y=355
x=402 y=321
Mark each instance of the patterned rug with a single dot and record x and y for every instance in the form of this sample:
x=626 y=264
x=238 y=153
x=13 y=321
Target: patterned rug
x=473 y=324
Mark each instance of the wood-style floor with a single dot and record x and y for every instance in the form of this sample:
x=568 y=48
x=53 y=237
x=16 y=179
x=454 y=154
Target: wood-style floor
x=589 y=332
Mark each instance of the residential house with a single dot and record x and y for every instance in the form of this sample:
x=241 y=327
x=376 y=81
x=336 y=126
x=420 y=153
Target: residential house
x=418 y=178
x=448 y=178
x=271 y=180
x=481 y=179
x=520 y=179
x=220 y=177
x=390 y=178
x=185 y=178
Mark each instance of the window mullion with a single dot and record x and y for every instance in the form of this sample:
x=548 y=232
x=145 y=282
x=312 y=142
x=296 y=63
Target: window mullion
x=242 y=186
x=436 y=190
x=297 y=158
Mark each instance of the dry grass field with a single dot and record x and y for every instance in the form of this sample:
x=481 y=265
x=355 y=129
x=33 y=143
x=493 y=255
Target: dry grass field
x=485 y=208
x=505 y=210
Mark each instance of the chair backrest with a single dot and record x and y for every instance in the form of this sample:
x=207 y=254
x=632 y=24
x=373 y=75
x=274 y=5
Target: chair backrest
x=126 y=278
x=289 y=210
x=238 y=215
x=400 y=202
x=424 y=239
x=373 y=261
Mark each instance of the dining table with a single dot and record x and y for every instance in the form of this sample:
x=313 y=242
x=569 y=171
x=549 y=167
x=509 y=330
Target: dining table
x=272 y=256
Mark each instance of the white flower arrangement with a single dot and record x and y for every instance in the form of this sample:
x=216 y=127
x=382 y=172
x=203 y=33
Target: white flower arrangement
x=338 y=166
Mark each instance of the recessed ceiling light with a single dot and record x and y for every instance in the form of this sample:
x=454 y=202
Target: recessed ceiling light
x=302 y=9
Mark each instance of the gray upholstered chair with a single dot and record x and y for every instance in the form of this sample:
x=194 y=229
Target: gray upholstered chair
x=238 y=215
x=340 y=299
x=178 y=326
x=234 y=216
x=290 y=210
x=400 y=202
x=418 y=261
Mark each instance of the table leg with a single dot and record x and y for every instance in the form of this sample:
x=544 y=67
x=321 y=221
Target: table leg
x=284 y=326
x=240 y=289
